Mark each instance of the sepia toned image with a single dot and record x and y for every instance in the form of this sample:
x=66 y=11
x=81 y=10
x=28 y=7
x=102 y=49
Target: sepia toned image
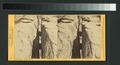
x=58 y=37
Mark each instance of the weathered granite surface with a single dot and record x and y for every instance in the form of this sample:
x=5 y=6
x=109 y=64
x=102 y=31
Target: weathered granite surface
x=91 y=36
x=25 y=33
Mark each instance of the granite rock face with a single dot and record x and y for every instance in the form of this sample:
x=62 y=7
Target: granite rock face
x=91 y=36
x=25 y=33
x=49 y=36
x=67 y=33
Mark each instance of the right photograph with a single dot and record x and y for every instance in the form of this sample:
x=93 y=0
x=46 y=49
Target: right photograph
x=60 y=37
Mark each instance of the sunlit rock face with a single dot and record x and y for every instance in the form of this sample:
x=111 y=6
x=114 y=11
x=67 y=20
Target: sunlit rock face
x=49 y=36
x=91 y=36
x=25 y=33
x=67 y=33
x=58 y=33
